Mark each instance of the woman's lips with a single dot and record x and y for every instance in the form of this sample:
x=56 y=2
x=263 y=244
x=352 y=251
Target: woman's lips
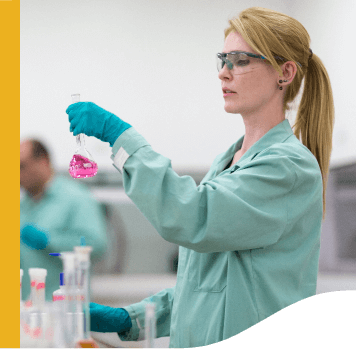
x=228 y=93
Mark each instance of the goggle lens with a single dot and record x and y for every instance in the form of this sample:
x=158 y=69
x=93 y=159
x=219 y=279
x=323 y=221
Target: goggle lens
x=237 y=63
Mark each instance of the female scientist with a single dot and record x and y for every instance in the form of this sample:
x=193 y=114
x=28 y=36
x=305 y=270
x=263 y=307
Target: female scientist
x=249 y=234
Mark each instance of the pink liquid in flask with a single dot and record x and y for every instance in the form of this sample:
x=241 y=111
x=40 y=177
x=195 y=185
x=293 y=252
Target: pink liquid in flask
x=82 y=167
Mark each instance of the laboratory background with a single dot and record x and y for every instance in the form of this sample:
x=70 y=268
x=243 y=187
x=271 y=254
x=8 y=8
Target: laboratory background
x=153 y=64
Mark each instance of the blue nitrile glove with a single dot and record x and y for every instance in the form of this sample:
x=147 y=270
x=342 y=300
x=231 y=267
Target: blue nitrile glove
x=34 y=236
x=108 y=319
x=90 y=119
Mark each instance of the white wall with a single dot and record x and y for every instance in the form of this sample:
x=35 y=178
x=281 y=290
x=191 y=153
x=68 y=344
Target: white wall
x=153 y=64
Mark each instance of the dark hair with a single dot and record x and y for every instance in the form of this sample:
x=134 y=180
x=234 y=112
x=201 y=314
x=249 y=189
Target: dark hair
x=39 y=149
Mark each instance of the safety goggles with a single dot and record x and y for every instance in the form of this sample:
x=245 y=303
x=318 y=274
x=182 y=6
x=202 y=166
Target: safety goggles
x=241 y=62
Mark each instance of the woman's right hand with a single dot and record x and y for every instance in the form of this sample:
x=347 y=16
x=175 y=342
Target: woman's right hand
x=108 y=319
x=92 y=120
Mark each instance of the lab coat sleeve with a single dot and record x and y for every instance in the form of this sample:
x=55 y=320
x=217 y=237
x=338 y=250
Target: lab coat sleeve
x=245 y=209
x=164 y=302
x=81 y=217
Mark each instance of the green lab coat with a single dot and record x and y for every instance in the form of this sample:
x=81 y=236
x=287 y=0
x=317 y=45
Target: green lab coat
x=249 y=235
x=66 y=211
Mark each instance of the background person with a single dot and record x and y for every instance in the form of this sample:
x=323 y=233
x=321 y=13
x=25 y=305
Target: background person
x=249 y=234
x=54 y=213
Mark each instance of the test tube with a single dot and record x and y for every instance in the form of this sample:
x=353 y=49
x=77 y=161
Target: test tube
x=33 y=288
x=68 y=259
x=83 y=269
x=37 y=315
x=38 y=286
x=150 y=324
x=73 y=331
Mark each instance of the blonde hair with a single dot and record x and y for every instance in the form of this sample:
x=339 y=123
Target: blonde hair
x=271 y=33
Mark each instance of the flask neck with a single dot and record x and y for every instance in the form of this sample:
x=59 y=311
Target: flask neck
x=80 y=141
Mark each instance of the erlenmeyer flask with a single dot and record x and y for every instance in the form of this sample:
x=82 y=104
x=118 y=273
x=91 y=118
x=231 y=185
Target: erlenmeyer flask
x=82 y=164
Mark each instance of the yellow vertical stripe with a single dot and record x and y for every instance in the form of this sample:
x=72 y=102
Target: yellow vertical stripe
x=10 y=212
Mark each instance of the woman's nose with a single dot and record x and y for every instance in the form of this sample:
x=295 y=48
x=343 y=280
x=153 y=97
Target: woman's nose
x=224 y=73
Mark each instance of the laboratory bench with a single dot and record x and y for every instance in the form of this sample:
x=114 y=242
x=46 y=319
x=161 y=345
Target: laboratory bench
x=120 y=290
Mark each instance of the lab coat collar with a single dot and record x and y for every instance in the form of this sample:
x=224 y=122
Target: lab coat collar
x=277 y=134
x=51 y=187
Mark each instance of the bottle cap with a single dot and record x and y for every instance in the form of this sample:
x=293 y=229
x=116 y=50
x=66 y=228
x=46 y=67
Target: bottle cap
x=55 y=254
x=61 y=279
x=68 y=259
x=38 y=274
x=83 y=253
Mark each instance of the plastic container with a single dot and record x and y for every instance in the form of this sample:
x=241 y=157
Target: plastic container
x=150 y=324
x=82 y=254
x=59 y=295
x=38 y=286
x=74 y=316
x=21 y=274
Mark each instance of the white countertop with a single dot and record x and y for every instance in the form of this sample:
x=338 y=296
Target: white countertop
x=125 y=289
x=121 y=290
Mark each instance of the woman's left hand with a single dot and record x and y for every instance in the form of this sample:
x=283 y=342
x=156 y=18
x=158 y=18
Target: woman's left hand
x=90 y=119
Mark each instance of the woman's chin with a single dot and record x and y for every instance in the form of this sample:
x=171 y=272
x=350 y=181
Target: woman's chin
x=233 y=109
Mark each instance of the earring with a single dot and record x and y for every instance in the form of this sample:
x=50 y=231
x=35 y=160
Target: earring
x=280 y=81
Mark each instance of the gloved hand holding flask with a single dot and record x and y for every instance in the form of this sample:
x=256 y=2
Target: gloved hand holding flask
x=92 y=120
